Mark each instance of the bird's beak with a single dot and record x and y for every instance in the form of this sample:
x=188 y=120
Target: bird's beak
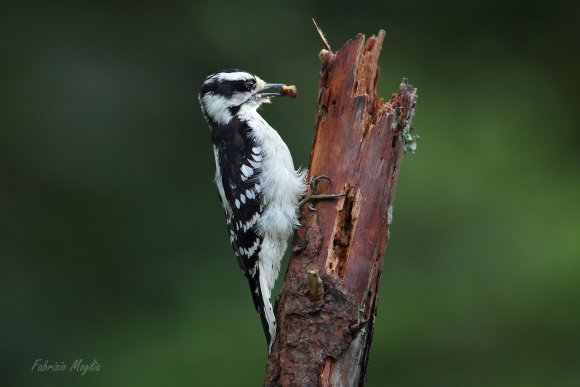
x=262 y=93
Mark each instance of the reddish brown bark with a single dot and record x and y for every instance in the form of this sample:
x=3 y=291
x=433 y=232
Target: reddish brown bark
x=359 y=142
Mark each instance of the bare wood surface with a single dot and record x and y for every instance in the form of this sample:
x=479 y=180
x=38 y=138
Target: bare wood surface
x=358 y=141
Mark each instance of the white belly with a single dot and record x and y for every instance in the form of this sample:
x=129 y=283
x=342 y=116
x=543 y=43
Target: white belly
x=282 y=188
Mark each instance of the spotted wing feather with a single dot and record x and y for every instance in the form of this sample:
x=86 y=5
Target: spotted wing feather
x=240 y=160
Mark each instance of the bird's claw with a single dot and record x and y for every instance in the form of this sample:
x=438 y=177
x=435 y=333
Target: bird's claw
x=314 y=196
x=315 y=180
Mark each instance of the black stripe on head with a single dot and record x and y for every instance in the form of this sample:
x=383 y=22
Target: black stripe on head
x=226 y=88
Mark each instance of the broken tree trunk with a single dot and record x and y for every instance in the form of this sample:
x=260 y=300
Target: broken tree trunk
x=325 y=329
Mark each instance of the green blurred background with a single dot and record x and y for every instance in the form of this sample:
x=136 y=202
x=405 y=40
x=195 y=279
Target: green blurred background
x=113 y=244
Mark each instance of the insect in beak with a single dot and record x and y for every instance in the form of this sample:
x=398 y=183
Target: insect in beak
x=283 y=90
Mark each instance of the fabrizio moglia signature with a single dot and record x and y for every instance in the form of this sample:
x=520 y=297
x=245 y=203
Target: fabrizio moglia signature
x=79 y=366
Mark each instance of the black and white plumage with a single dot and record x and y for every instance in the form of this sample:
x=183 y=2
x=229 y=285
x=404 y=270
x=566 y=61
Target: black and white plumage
x=256 y=180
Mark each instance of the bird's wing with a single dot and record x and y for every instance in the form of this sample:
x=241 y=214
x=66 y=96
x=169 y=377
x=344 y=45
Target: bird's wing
x=240 y=159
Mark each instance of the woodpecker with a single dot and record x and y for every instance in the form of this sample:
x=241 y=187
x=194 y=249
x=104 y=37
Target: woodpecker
x=259 y=188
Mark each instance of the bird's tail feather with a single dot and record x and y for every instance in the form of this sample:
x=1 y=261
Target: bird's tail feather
x=263 y=307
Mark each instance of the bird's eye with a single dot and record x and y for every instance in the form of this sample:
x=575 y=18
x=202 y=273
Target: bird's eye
x=250 y=84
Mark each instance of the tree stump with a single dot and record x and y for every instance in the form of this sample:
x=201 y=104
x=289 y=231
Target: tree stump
x=324 y=339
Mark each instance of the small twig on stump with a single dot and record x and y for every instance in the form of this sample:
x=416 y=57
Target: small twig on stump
x=359 y=141
x=322 y=37
x=315 y=287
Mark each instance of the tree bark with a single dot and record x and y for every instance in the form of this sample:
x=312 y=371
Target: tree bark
x=325 y=331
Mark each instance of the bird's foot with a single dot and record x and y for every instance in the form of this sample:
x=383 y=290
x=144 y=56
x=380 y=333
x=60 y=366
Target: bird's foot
x=314 y=195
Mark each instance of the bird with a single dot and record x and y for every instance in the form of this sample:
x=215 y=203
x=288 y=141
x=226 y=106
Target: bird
x=259 y=187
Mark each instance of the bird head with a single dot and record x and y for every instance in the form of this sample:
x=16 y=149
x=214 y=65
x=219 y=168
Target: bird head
x=225 y=93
